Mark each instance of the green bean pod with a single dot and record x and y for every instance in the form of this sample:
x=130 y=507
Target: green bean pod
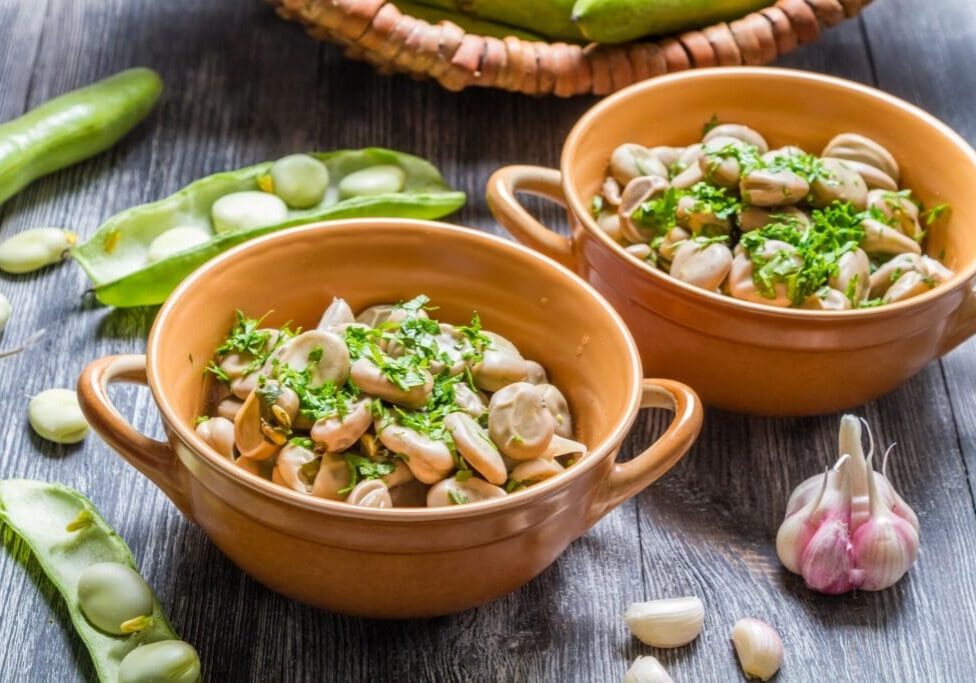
x=479 y=27
x=618 y=21
x=547 y=17
x=117 y=257
x=74 y=126
x=67 y=536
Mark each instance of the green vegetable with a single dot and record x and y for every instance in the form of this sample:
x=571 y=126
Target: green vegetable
x=114 y=598
x=548 y=17
x=300 y=180
x=33 y=249
x=67 y=536
x=116 y=257
x=617 y=21
x=56 y=416
x=73 y=127
x=168 y=661
x=478 y=27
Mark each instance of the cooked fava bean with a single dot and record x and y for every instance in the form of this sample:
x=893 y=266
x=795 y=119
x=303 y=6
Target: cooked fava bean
x=373 y=181
x=908 y=285
x=56 y=416
x=174 y=241
x=453 y=492
x=630 y=161
x=299 y=180
x=475 y=446
x=114 y=598
x=409 y=415
x=842 y=218
x=534 y=471
x=519 y=422
x=247 y=210
x=166 y=661
x=33 y=249
x=371 y=493
x=219 y=433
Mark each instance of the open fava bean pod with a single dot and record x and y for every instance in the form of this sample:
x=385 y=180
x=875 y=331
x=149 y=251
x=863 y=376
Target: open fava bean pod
x=138 y=256
x=68 y=538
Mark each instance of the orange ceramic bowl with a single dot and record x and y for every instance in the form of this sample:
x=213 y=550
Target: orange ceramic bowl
x=393 y=562
x=738 y=355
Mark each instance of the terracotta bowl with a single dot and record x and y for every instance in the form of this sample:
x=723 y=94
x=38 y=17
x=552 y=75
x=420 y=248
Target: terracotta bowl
x=738 y=355
x=394 y=562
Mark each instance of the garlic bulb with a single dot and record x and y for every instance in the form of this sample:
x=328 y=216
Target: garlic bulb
x=758 y=647
x=666 y=623
x=848 y=528
x=647 y=670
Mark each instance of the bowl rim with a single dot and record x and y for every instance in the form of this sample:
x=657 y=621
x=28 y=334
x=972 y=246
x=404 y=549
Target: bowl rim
x=794 y=77
x=222 y=465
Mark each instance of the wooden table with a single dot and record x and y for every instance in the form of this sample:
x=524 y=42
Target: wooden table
x=243 y=87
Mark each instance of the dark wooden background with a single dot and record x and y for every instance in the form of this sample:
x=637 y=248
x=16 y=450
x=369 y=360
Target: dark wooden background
x=242 y=87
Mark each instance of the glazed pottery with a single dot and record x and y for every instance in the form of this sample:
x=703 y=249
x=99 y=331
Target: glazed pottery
x=738 y=355
x=402 y=562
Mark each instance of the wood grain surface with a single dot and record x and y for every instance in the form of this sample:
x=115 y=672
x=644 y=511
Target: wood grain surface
x=242 y=87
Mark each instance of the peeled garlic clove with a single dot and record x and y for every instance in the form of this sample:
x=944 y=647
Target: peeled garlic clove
x=879 y=239
x=647 y=670
x=671 y=622
x=739 y=132
x=55 y=415
x=758 y=647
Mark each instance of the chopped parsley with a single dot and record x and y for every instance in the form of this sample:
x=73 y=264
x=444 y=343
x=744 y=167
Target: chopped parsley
x=363 y=469
x=456 y=497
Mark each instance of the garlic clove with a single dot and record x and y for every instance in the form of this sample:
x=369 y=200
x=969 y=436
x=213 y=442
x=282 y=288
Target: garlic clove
x=826 y=563
x=758 y=647
x=885 y=548
x=671 y=622
x=647 y=670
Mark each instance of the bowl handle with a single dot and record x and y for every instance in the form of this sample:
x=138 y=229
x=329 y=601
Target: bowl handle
x=627 y=479
x=151 y=457
x=540 y=181
x=963 y=325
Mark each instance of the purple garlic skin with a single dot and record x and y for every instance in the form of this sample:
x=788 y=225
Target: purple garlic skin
x=848 y=528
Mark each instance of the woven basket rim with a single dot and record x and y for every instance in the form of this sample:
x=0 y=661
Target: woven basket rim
x=377 y=32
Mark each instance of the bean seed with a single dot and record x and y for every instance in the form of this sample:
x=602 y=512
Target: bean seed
x=175 y=240
x=112 y=595
x=373 y=181
x=247 y=210
x=300 y=180
x=56 y=416
x=33 y=249
x=5 y=311
x=168 y=661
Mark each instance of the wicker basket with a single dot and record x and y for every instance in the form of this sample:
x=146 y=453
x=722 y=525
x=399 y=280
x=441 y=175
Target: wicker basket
x=377 y=32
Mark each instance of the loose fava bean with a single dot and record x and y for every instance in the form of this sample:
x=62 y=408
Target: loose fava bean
x=377 y=180
x=33 y=249
x=500 y=365
x=536 y=470
x=114 y=598
x=873 y=178
x=167 y=661
x=469 y=400
x=299 y=180
x=888 y=272
x=256 y=432
x=827 y=299
x=719 y=161
x=388 y=313
x=639 y=252
x=219 y=433
x=854 y=147
x=229 y=407
x=536 y=373
x=239 y=211
x=65 y=533
x=336 y=433
x=631 y=160
x=429 y=460
x=56 y=416
x=702 y=265
x=838 y=183
x=371 y=493
x=699 y=219
x=672 y=239
x=453 y=492
x=476 y=447
x=755 y=217
x=6 y=310
x=610 y=224
x=611 y=191
x=174 y=241
x=519 y=422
